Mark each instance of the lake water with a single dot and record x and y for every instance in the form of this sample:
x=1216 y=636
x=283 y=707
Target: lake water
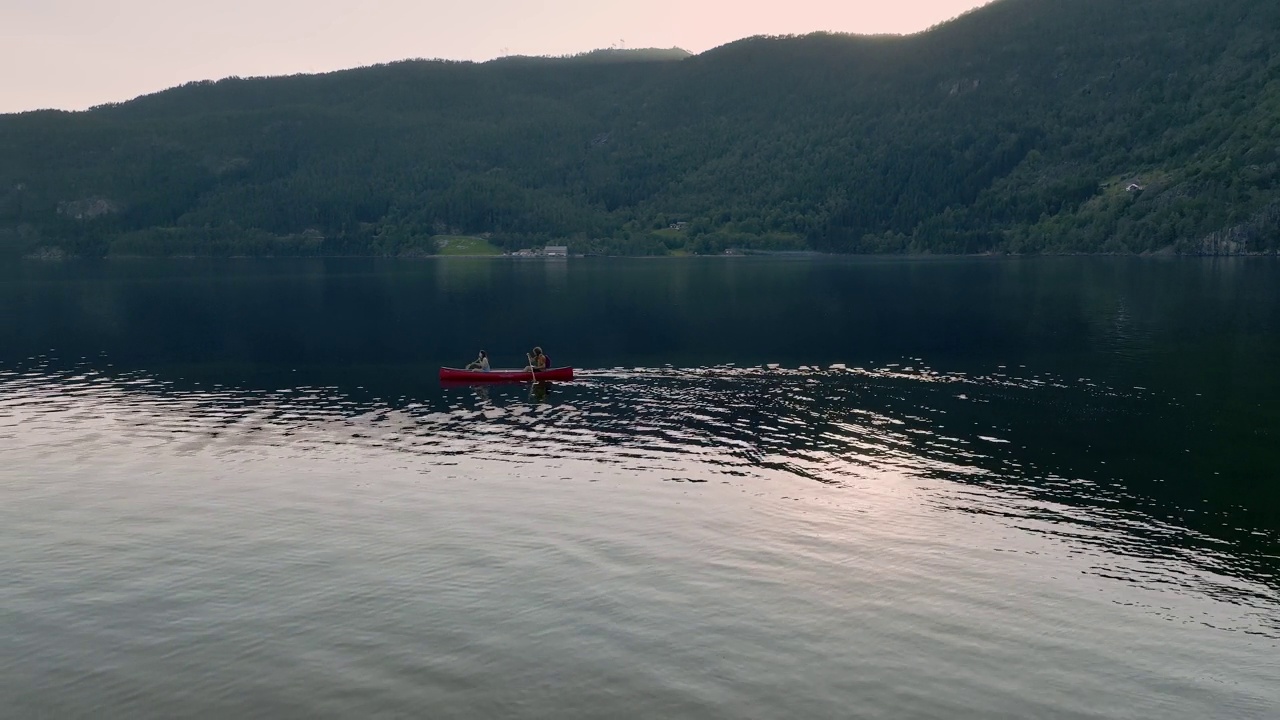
x=797 y=488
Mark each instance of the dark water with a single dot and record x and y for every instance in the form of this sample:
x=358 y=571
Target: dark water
x=798 y=488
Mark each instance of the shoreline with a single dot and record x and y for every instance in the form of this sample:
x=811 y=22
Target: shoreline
x=737 y=256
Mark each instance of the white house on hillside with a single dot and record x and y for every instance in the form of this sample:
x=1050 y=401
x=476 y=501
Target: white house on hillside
x=557 y=251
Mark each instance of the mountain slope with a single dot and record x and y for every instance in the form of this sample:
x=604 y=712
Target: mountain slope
x=1028 y=125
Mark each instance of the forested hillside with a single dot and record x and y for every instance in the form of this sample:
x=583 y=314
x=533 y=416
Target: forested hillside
x=1025 y=126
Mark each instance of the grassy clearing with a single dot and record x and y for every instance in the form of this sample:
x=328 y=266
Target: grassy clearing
x=464 y=245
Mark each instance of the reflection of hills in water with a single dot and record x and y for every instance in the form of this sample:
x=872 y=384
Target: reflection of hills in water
x=1025 y=448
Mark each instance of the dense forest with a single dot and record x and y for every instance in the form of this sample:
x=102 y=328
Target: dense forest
x=1025 y=126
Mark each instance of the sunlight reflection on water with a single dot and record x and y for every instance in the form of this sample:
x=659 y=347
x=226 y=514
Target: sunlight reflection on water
x=841 y=427
x=844 y=522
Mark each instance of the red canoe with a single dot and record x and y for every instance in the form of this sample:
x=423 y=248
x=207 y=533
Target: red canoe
x=493 y=376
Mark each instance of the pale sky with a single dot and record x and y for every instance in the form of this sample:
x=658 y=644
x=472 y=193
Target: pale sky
x=72 y=54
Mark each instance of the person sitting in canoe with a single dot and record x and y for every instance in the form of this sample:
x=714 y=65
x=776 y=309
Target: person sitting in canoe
x=537 y=361
x=481 y=363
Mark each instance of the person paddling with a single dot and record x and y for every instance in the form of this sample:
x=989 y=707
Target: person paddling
x=481 y=363
x=538 y=361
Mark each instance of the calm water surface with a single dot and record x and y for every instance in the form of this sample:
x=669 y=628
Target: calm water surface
x=780 y=489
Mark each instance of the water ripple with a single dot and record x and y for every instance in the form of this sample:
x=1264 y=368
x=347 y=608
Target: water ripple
x=841 y=427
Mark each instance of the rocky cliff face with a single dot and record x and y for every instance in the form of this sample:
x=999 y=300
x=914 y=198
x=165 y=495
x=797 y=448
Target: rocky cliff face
x=1247 y=238
x=87 y=208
